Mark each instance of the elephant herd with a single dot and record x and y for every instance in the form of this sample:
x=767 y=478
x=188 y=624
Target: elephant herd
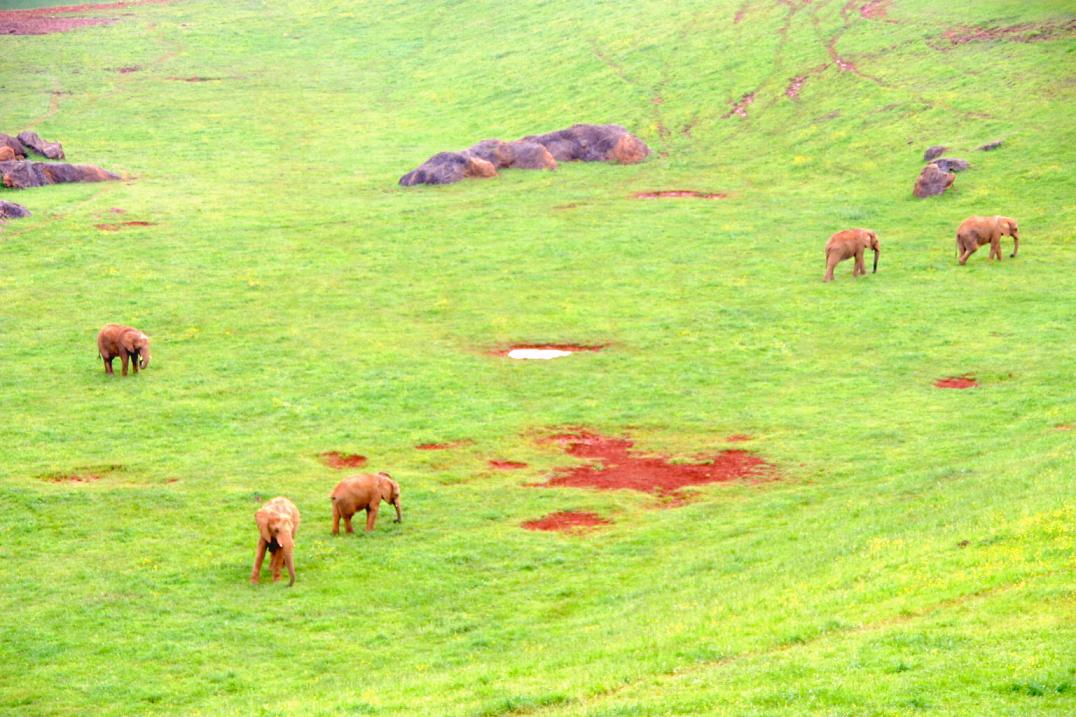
x=278 y=520
x=972 y=233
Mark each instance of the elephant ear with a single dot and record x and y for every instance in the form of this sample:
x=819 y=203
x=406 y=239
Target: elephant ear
x=262 y=518
x=390 y=489
x=130 y=341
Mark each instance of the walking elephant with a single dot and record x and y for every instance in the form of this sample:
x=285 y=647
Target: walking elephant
x=847 y=244
x=364 y=492
x=278 y=521
x=974 y=232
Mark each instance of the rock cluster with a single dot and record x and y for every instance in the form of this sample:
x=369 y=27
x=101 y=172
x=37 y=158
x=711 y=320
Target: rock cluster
x=16 y=174
x=938 y=175
x=581 y=142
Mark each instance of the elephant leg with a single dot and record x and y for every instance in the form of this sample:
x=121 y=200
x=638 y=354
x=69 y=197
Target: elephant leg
x=995 y=249
x=276 y=563
x=831 y=265
x=965 y=255
x=123 y=361
x=371 y=518
x=347 y=523
x=134 y=362
x=259 y=555
x=108 y=365
x=336 y=519
x=858 y=269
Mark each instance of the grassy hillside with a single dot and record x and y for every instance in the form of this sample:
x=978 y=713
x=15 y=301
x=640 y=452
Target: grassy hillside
x=915 y=554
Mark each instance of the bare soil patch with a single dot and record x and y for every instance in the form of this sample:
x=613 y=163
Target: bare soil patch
x=740 y=108
x=87 y=474
x=340 y=461
x=679 y=194
x=739 y=438
x=612 y=465
x=446 y=446
x=566 y=521
x=957 y=382
x=875 y=9
x=507 y=465
x=1024 y=32
x=569 y=348
x=195 y=78
x=47 y=20
x=122 y=225
x=128 y=69
x=1064 y=427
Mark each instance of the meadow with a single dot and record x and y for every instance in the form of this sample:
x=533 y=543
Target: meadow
x=913 y=550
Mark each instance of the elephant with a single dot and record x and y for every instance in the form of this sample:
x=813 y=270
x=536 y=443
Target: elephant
x=123 y=341
x=278 y=521
x=974 y=232
x=848 y=243
x=364 y=492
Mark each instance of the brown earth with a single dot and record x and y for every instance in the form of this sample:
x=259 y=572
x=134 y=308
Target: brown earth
x=679 y=193
x=44 y=20
x=340 y=461
x=73 y=478
x=195 y=78
x=448 y=445
x=957 y=382
x=549 y=347
x=612 y=465
x=875 y=9
x=740 y=108
x=507 y=465
x=739 y=438
x=121 y=225
x=566 y=521
x=1024 y=32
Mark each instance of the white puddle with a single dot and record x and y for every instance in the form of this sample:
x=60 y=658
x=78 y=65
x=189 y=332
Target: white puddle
x=540 y=354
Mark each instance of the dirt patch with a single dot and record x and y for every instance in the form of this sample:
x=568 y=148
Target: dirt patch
x=507 y=465
x=739 y=438
x=1063 y=427
x=121 y=225
x=566 y=521
x=841 y=63
x=964 y=381
x=1024 y=32
x=612 y=465
x=875 y=9
x=679 y=194
x=567 y=348
x=73 y=478
x=44 y=20
x=195 y=78
x=129 y=69
x=740 y=108
x=340 y=461
x=447 y=446
x=794 y=86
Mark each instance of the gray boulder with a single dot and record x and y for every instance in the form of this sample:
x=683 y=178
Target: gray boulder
x=51 y=150
x=933 y=152
x=11 y=210
x=23 y=174
x=950 y=164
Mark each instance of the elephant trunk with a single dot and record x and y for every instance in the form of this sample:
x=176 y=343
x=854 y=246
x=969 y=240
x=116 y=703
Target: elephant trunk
x=1015 y=244
x=289 y=560
x=143 y=358
x=399 y=516
x=876 y=253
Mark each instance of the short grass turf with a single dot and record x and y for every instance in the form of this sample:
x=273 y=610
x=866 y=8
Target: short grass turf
x=916 y=554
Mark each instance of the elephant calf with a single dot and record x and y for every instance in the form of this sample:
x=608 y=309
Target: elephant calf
x=364 y=492
x=278 y=521
x=126 y=342
x=847 y=244
x=974 y=232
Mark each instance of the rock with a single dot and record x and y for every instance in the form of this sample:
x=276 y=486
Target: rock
x=6 y=153
x=11 y=210
x=513 y=155
x=932 y=180
x=950 y=164
x=592 y=143
x=990 y=146
x=932 y=152
x=448 y=167
x=51 y=150
x=16 y=146
x=24 y=174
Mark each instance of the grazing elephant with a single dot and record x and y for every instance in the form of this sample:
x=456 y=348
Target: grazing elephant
x=127 y=343
x=973 y=232
x=364 y=492
x=278 y=520
x=846 y=244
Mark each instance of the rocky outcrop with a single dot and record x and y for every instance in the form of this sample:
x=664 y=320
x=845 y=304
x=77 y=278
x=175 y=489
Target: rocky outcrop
x=11 y=210
x=581 y=142
x=933 y=181
x=50 y=150
x=24 y=174
x=17 y=149
x=950 y=164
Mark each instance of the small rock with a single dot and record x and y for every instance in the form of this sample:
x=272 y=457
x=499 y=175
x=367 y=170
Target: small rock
x=11 y=210
x=990 y=146
x=933 y=181
x=51 y=150
x=935 y=151
x=447 y=168
x=17 y=149
x=950 y=164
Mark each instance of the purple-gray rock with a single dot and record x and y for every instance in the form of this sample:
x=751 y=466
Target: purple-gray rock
x=932 y=152
x=518 y=154
x=11 y=210
x=447 y=168
x=990 y=146
x=932 y=181
x=18 y=151
x=592 y=143
x=23 y=174
x=51 y=150
x=950 y=164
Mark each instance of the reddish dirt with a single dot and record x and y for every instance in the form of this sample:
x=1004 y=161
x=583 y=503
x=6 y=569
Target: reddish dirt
x=1064 y=427
x=957 y=382
x=171 y=480
x=794 y=86
x=117 y=210
x=121 y=225
x=679 y=194
x=613 y=466
x=566 y=521
x=340 y=461
x=43 y=20
x=875 y=9
x=741 y=13
x=1024 y=32
x=128 y=69
x=195 y=78
x=843 y=64
x=740 y=108
x=73 y=478
x=554 y=347
x=507 y=465
x=739 y=438
x=444 y=446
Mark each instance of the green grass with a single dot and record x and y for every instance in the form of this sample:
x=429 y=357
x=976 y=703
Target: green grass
x=300 y=301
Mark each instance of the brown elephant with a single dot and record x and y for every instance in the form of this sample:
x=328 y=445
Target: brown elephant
x=847 y=244
x=973 y=232
x=364 y=492
x=278 y=521
x=127 y=343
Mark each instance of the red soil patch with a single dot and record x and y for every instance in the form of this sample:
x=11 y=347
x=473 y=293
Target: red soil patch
x=340 y=461
x=957 y=382
x=507 y=465
x=117 y=210
x=121 y=225
x=740 y=108
x=613 y=466
x=566 y=521
x=73 y=478
x=875 y=9
x=547 y=347
x=679 y=194
x=739 y=438
x=794 y=86
x=129 y=69
x=843 y=64
x=195 y=78
x=43 y=20
x=444 y=446
x=1024 y=32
